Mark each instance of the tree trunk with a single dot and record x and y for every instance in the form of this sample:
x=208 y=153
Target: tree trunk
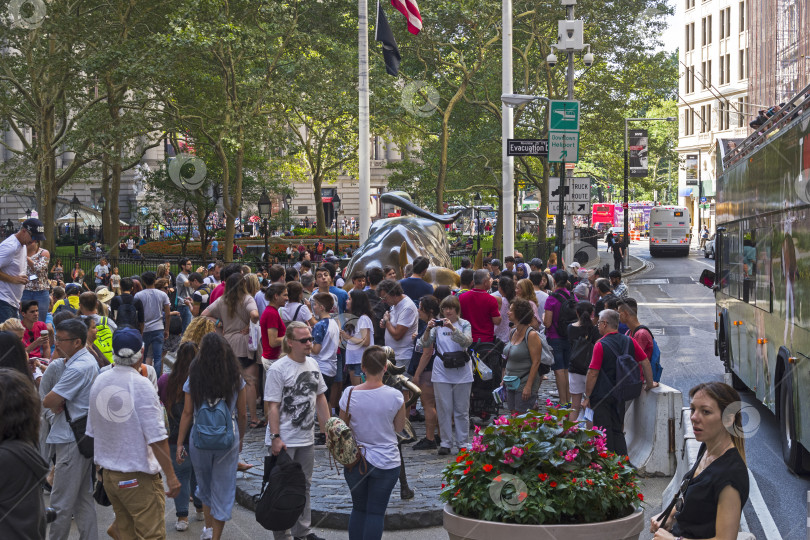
x=441 y=179
x=320 y=215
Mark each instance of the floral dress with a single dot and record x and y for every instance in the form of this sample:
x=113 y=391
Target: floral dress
x=41 y=271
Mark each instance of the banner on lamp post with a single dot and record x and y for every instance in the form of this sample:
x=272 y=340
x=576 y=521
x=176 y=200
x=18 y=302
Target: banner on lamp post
x=638 y=151
x=691 y=167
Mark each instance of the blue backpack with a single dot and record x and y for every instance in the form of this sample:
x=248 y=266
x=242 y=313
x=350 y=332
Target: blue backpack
x=213 y=426
x=655 y=361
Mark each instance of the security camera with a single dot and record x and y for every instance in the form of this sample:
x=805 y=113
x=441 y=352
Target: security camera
x=551 y=60
x=588 y=59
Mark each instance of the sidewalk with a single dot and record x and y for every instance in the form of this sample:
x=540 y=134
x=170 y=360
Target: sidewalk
x=606 y=257
x=330 y=498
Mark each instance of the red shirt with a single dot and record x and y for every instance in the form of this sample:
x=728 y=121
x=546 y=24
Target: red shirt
x=479 y=307
x=596 y=360
x=216 y=293
x=29 y=336
x=644 y=339
x=271 y=319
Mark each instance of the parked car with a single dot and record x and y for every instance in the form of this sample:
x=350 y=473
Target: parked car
x=708 y=248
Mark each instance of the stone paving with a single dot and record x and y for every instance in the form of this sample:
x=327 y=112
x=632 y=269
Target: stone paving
x=330 y=498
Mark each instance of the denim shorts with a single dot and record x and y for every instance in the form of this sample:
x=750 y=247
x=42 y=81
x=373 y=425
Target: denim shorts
x=354 y=369
x=562 y=353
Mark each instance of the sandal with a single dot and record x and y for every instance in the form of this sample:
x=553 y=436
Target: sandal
x=258 y=423
x=242 y=467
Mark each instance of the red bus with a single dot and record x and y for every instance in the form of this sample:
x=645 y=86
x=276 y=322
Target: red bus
x=604 y=213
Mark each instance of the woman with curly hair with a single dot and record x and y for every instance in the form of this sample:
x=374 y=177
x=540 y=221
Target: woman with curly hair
x=21 y=502
x=214 y=375
x=525 y=290
x=236 y=308
x=197 y=329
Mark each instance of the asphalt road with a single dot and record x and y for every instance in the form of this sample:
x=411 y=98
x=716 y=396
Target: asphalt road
x=683 y=312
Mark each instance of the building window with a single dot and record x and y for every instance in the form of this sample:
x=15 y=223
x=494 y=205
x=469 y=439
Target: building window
x=743 y=20
x=724 y=115
x=690 y=4
x=706 y=30
x=722 y=72
x=706 y=74
x=725 y=23
x=725 y=69
x=741 y=112
x=705 y=118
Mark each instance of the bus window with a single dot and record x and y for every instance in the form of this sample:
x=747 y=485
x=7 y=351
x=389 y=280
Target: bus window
x=749 y=266
x=733 y=260
x=763 y=280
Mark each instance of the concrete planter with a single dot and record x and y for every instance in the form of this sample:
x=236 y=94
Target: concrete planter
x=462 y=528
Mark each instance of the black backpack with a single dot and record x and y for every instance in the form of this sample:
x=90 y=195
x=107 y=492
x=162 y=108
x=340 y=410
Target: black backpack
x=65 y=307
x=582 y=352
x=568 y=312
x=127 y=313
x=284 y=493
x=627 y=385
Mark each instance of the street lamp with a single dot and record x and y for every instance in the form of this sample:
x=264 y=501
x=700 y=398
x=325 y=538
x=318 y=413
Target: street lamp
x=74 y=207
x=516 y=100
x=626 y=204
x=477 y=200
x=265 y=207
x=288 y=200
x=101 y=202
x=335 y=210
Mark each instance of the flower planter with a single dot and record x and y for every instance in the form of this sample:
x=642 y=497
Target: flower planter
x=462 y=528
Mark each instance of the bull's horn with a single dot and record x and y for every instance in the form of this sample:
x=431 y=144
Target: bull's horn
x=479 y=260
x=403 y=258
x=403 y=200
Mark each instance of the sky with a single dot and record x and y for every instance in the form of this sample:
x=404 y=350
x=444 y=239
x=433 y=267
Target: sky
x=671 y=37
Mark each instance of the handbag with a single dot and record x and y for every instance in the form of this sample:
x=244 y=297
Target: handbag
x=79 y=428
x=452 y=360
x=483 y=370
x=341 y=442
x=679 y=495
x=254 y=337
x=99 y=493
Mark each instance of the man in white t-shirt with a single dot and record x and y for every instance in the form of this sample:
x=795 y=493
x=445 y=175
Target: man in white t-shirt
x=101 y=270
x=155 y=311
x=130 y=244
x=536 y=278
x=293 y=392
x=14 y=268
x=131 y=443
x=401 y=322
x=213 y=273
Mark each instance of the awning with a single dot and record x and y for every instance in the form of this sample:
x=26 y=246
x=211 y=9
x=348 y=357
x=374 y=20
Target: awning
x=685 y=192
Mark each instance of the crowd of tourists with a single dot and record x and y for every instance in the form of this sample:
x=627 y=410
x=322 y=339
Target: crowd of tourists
x=133 y=375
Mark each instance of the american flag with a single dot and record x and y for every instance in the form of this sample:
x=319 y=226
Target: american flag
x=411 y=12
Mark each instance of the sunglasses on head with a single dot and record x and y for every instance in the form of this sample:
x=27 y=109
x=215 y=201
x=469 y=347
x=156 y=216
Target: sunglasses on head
x=305 y=340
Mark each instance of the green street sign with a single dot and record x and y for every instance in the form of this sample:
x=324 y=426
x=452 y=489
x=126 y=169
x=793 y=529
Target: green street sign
x=563 y=115
x=563 y=146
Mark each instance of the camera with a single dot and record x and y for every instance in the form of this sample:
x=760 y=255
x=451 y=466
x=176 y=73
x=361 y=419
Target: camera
x=438 y=322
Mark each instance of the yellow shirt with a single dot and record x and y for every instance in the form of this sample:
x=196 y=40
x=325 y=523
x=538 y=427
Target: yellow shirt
x=74 y=303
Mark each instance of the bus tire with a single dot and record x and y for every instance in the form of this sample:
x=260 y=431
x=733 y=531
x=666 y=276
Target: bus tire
x=792 y=451
x=653 y=252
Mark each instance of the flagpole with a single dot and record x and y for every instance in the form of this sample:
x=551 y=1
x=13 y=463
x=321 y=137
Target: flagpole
x=507 y=132
x=364 y=221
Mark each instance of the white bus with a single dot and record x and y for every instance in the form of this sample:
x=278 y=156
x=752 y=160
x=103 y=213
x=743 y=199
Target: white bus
x=669 y=230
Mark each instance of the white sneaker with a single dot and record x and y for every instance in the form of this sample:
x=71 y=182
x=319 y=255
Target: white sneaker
x=181 y=525
x=207 y=534
x=199 y=516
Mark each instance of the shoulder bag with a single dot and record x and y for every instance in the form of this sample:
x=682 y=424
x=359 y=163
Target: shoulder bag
x=79 y=428
x=341 y=442
x=451 y=360
x=678 y=498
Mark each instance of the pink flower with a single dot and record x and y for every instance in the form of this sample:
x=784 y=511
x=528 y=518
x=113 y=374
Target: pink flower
x=549 y=403
x=517 y=451
x=571 y=454
x=477 y=429
x=596 y=466
x=508 y=460
x=548 y=417
x=501 y=421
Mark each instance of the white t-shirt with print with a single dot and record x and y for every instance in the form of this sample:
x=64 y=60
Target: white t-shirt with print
x=295 y=386
x=327 y=357
x=288 y=312
x=405 y=314
x=442 y=340
x=354 y=351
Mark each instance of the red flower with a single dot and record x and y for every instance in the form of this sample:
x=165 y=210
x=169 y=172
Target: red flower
x=589 y=482
x=487 y=467
x=497 y=478
x=466 y=470
x=469 y=462
x=459 y=459
x=616 y=476
x=457 y=492
x=603 y=454
x=442 y=486
x=552 y=484
x=522 y=495
x=640 y=497
x=543 y=477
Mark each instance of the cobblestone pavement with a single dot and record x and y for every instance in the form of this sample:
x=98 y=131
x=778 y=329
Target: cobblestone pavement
x=330 y=498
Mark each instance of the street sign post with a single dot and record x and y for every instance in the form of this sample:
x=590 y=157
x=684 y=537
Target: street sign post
x=571 y=208
x=563 y=115
x=563 y=146
x=577 y=196
x=527 y=147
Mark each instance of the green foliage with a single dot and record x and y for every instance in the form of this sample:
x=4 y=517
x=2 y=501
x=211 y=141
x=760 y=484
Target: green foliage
x=540 y=468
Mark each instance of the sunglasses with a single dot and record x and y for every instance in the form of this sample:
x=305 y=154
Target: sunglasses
x=305 y=340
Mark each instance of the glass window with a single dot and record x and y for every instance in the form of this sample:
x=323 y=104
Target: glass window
x=749 y=265
x=763 y=268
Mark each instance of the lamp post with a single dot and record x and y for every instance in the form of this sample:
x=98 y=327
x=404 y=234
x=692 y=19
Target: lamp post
x=101 y=202
x=477 y=200
x=288 y=200
x=74 y=207
x=626 y=197
x=336 y=209
x=265 y=207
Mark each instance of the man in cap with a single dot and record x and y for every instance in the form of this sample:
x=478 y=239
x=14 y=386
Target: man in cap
x=13 y=267
x=130 y=441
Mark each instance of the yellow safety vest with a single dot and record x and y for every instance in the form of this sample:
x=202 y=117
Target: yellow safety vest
x=104 y=339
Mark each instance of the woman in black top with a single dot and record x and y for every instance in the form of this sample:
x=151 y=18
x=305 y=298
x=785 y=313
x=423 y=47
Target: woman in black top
x=713 y=493
x=582 y=335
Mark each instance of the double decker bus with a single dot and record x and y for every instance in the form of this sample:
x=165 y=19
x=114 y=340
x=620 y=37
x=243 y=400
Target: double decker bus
x=604 y=216
x=762 y=270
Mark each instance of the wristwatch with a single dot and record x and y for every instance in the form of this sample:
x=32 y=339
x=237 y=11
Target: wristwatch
x=584 y=396
x=275 y=436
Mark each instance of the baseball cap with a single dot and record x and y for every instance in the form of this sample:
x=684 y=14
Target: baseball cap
x=73 y=288
x=35 y=228
x=126 y=342
x=495 y=262
x=211 y=266
x=329 y=252
x=575 y=265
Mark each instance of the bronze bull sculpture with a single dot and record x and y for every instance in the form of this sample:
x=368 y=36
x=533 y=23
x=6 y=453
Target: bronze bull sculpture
x=397 y=241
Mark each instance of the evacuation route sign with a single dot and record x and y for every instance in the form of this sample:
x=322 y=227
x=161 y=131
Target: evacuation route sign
x=563 y=146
